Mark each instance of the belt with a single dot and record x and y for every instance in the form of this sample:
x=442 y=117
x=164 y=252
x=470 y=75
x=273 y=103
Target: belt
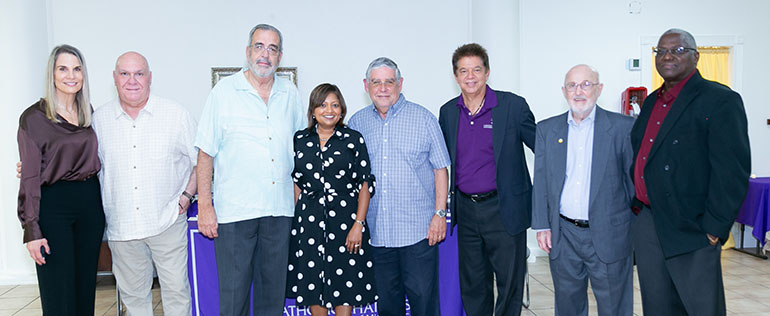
x=479 y=197
x=578 y=222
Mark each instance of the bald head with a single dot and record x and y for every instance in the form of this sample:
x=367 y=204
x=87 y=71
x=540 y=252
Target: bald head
x=581 y=89
x=583 y=68
x=132 y=56
x=132 y=79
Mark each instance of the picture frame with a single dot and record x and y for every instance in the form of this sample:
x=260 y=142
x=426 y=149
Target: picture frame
x=217 y=73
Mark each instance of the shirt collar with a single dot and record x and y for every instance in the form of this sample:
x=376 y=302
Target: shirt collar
x=490 y=99
x=674 y=92
x=241 y=83
x=588 y=120
x=117 y=110
x=393 y=110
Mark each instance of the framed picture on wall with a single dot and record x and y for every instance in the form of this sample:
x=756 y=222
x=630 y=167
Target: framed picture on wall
x=218 y=73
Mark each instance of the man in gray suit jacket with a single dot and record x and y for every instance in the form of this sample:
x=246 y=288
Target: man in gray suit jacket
x=581 y=198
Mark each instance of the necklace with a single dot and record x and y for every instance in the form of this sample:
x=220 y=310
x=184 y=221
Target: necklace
x=479 y=108
x=323 y=139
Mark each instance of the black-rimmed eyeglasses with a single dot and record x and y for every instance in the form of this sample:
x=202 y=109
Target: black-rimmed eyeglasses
x=676 y=51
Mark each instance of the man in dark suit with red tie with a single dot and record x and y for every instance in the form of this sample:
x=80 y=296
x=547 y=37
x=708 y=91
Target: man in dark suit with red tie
x=691 y=170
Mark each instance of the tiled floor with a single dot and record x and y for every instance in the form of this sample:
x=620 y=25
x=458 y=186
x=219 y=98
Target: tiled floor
x=747 y=289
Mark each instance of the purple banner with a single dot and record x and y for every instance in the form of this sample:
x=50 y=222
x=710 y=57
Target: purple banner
x=202 y=271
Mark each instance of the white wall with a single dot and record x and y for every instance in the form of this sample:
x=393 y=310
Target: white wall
x=329 y=41
x=23 y=30
x=558 y=34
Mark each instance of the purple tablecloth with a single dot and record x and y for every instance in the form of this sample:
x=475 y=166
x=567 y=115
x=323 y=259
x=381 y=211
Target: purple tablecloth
x=202 y=271
x=755 y=211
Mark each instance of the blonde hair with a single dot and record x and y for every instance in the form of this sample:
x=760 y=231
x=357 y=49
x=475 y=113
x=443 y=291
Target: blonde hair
x=82 y=99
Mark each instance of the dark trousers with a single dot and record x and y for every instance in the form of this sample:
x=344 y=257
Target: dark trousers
x=576 y=263
x=487 y=252
x=687 y=284
x=410 y=271
x=253 y=251
x=72 y=220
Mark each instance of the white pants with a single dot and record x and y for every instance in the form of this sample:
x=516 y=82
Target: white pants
x=132 y=264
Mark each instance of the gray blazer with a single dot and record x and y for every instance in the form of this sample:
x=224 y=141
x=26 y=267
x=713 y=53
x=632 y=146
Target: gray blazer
x=611 y=191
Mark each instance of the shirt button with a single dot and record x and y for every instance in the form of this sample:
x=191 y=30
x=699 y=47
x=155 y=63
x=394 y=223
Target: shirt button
x=471 y=122
x=644 y=158
x=268 y=117
x=269 y=138
x=273 y=160
x=273 y=182
x=384 y=174
x=385 y=140
x=642 y=177
x=136 y=188
x=386 y=124
x=665 y=167
x=134 y=126
x=664 y=105
x=385 y=157
x=650 y=140
x=134 y=146
x=658 y=123
x=137 y=208
x=134 y=167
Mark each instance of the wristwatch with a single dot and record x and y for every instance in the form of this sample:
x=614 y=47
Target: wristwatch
x=441 y=213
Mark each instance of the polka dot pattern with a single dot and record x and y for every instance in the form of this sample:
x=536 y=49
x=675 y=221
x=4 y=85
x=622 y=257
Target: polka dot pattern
x=321 y=270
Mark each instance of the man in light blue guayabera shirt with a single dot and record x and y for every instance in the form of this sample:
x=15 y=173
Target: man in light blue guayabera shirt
x=245 y=135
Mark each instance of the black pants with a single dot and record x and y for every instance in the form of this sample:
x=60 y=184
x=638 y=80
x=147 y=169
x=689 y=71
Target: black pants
x=687 y=284
x=411 y=271
x=488 y=252
x=72 y=220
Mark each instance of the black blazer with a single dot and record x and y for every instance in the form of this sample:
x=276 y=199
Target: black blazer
x=697 y=172
x=513 y=127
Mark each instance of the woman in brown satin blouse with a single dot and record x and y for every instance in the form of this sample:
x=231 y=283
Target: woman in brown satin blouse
x=60 y=205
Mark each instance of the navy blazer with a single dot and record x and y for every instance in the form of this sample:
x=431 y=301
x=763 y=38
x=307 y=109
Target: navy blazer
x=513 y=127
x=697 y=172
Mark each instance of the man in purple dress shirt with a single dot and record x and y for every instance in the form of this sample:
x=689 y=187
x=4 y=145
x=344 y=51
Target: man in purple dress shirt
x=485 y=132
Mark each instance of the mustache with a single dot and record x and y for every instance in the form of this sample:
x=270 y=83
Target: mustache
x=264 y=60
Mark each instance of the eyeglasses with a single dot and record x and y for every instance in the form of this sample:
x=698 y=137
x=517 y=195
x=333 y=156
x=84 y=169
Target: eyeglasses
x=272 y=50
x=390 y=83
x=677 y=51
x=585 y=85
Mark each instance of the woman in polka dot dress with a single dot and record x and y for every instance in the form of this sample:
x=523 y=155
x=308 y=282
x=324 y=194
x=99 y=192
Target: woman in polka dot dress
x=330 y=263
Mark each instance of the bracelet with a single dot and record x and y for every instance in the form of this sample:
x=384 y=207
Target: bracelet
x=360 y=222
x=188 y=196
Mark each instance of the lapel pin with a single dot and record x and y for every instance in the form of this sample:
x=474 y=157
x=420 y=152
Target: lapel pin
x=560 y=140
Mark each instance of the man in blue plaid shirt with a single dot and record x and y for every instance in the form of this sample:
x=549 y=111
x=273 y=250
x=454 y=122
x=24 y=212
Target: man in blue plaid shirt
x=407 y=215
